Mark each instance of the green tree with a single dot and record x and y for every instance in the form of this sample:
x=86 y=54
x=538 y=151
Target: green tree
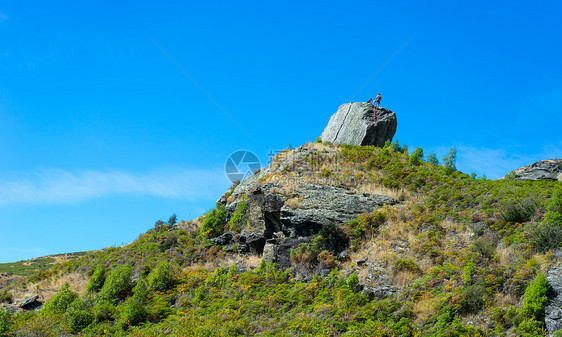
x=450 y=160
x=432 y=158
x=417 y=156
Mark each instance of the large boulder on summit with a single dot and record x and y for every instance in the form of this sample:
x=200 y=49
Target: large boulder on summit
x=550 y=169
x=354 y=124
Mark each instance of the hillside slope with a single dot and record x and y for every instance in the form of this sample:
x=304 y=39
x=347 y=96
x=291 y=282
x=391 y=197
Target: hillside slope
x=327 y=241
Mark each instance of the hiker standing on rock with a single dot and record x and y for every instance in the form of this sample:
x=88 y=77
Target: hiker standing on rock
x=378 y=100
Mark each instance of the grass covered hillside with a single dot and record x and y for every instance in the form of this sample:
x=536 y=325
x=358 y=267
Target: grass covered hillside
x=461 y=256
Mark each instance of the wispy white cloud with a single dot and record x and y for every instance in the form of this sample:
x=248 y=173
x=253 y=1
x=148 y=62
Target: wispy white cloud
x=3 y=17
x=61 y=186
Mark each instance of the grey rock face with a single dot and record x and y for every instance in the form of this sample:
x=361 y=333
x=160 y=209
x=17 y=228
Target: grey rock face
x=550 y=169
x=354 y=123
x=381 y=292
x=225 y=238
x=323 y=204
x=553 y=308
x=270 y=253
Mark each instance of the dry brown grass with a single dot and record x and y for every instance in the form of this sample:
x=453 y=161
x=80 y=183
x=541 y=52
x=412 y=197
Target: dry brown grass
x=501 y=300
x=49 y=287
x=404 y=278
x=425 y=308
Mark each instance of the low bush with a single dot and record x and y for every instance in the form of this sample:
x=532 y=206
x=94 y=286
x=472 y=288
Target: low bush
x=473 y=299
x=214 y=222
x=535 y=298
x=6 y=296
x=553 y=215
x=118 y=284
x=546 y=237
x=162 y=277
x=97 y=279
x=239 y=218
x=519 y=211
x=60 y=302
x=133 y=311
x=6 y=321
x=79 y=315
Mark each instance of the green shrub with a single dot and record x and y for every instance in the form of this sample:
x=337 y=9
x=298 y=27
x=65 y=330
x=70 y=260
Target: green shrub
x=78 y=315
x=473 y=299
x=333 y=238
x=238 y=218
x=416 y=157
x=6 y=296
x=59 y=303
x=134 y=310
x=546 y=237
x=553 y=215
x=162 y=277
x=117 y=285
x=352 y=281
x=97 y=279
x=519 y=211
x=214 y=222
x=169 y=240
x=103 y=311
x=6 y=321
x=408 y=265
x=535 y=298
x=485 y=246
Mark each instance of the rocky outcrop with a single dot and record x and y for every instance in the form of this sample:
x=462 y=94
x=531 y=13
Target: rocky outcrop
x=271 y=221
x=354 y=123
x=321 y=204
x=553 y=308
x=550 y=169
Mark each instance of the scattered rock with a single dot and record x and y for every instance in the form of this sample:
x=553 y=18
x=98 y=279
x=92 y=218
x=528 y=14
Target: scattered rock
x=354 y=124
x=30 y=303
x=343 y=256
x=381 y=292
x=362 y=261
x=224 y=239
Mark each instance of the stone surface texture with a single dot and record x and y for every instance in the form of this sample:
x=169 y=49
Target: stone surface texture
x=354 y=124
x=550 y=169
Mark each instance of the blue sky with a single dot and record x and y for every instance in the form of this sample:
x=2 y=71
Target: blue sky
x=102 y=132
